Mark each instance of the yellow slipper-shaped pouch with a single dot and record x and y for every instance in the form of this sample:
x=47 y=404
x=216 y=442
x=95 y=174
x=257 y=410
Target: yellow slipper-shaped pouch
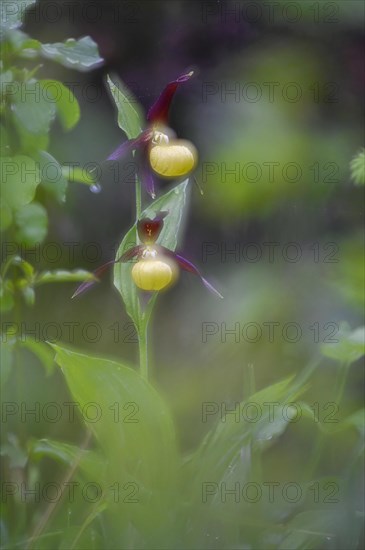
x=174 y=159
x=154 y=274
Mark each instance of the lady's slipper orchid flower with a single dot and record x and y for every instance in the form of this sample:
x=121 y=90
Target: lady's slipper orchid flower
x=160 y=152
x=157 y=267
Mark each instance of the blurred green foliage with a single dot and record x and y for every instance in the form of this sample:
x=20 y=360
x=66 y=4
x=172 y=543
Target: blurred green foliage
x=166 y=479
x=28 y=172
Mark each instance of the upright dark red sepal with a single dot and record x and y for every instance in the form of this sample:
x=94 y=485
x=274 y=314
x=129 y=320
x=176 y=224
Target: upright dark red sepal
x=159 y=111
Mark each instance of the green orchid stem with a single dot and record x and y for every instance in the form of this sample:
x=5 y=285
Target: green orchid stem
x=138 y=199
x=143 y=350
x=143 y=328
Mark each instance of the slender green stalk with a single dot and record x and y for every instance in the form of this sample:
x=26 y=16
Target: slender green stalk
x=142 y=329
x=138 y=199
x=143 y=349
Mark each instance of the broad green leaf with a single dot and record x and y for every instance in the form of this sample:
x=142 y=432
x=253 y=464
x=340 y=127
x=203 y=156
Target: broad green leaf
x=24 y=284
x=6 y=216
x=134 y=431
x=85 y=535
x=90 y=463
x=310 y=530
x=123 y=280
x=4 y=142
x=348 y=276
x=5 y=79
x=52 y=177
x=19 y=179
x=19 y=44
x=269 y=429
x=79 y=175
x=42 y=351
x=357 y=166
x=130 y=115
x=12 y=14
x=66 y=103
x=349 y=348
x=14 y=40
x=88 y=467
x=252 y=420
x=30 y=48
x=63 y=276
x=7 y=358
x=6 y=295
x=79 y=54
x=26 y=267
x=33 y=110
x=230 y=455
x=355 y=420
x=28 y=295
x=13 y=450
x=5 y=149
x=174 y=202
x=31 y=222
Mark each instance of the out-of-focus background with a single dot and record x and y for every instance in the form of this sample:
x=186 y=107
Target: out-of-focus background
x=276 y=111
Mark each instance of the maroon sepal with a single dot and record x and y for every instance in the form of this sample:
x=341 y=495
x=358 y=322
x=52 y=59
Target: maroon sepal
x=134 y=252
x=88 y=284
x=131 y=144
x=149 y=230
x=160 y=109
x=128 y=255
x=188 y=266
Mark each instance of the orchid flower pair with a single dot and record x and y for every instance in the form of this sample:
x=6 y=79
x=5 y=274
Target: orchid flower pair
x=157 y=267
